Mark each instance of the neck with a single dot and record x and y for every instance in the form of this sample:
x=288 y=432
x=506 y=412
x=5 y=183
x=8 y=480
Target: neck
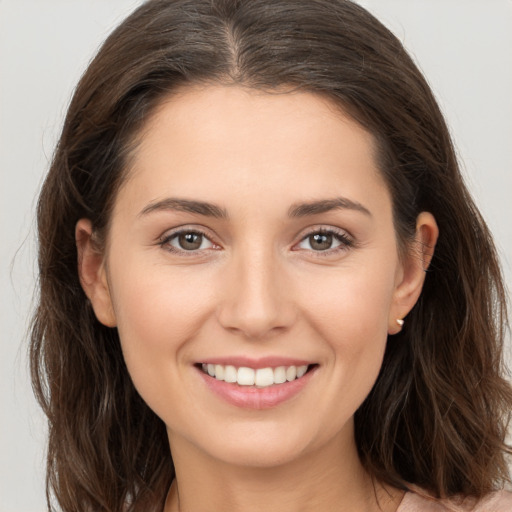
x=331 y=478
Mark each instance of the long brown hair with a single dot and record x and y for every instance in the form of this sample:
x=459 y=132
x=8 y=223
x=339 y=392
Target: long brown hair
x=438 y=413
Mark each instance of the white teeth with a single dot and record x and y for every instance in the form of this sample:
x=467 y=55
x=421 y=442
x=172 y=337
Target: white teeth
x=301 y=370
x=261 y=377
x=280 y=375
x=291 y=373
x=230 y=374
x=245 y=376
x=219 y=372
x=264 y=377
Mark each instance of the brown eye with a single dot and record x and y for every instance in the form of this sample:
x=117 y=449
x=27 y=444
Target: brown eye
x=326 y=241
x=320 y=241
x=187 y=241
x=190 y=241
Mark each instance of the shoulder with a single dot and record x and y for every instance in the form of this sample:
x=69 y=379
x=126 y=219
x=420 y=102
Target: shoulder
x=420 y=501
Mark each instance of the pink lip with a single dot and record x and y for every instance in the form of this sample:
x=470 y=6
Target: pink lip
x=263 y=362
x=249 y=397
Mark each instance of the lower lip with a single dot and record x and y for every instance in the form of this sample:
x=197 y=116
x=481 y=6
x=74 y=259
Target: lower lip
x=250 y=397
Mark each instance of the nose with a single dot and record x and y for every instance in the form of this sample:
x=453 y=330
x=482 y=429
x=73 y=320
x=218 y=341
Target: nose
x=257 y=297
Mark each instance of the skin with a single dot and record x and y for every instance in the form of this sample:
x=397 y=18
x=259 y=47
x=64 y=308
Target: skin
x=256 y=287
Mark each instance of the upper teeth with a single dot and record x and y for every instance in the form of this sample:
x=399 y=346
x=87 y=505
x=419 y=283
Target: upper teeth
x=262 y=377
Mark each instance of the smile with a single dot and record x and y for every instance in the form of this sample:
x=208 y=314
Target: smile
x=260 y=377
x=264 y=384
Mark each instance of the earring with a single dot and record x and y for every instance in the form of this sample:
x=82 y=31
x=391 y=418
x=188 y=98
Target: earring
x=400 y=322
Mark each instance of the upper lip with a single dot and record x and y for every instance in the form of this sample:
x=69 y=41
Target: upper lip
x=263 y=362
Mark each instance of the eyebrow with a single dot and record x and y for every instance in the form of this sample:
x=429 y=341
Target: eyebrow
x=212 y=210
x=186 y=205
x=326 y=205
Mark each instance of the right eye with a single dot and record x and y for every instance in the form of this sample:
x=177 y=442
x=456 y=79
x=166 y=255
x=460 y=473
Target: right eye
x=187 y=241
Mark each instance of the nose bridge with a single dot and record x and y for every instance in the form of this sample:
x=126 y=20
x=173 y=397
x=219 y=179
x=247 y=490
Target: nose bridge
x=255 y=301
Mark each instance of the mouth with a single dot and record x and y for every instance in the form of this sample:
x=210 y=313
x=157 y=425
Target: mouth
x=255 y=377
x=256 y=383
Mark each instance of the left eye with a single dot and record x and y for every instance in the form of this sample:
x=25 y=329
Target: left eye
x=323 y=241
x=189 y=241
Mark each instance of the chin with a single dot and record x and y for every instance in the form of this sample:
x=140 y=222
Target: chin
x=258 y=455
x=260 y=445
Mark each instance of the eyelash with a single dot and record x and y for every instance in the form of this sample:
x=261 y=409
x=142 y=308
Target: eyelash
x=164 y=242
x=346 y=242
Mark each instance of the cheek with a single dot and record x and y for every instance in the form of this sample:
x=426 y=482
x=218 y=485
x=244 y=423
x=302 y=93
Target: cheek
x=157 y=312
x=351 y=315
x=353 y=303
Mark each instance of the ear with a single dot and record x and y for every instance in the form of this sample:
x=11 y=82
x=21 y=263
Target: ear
x=413 y=270
x=92 y=273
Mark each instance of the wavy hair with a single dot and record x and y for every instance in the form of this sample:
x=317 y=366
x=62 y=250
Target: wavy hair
x=438 y=413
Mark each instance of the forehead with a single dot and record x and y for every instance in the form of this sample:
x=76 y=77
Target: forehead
x=234 y=112
x=212 y=140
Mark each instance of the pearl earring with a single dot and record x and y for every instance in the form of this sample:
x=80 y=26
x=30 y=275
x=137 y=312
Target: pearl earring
x=400 y=322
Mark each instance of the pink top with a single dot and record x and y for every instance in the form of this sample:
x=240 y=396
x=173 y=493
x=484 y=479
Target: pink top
x=421 y=502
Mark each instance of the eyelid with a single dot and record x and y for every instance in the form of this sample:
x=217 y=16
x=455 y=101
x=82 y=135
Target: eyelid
x=347 y=241
x=164 y=239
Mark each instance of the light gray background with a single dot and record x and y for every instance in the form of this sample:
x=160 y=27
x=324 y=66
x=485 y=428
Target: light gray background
x=463 y=47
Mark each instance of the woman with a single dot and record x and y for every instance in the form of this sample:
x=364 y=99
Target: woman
x=263 y=282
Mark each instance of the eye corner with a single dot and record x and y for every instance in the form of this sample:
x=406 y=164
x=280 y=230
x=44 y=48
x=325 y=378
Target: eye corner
x=171 y=241
x=341 y=238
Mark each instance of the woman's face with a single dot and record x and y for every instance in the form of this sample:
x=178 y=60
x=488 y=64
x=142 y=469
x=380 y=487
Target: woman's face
x=254 y=231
